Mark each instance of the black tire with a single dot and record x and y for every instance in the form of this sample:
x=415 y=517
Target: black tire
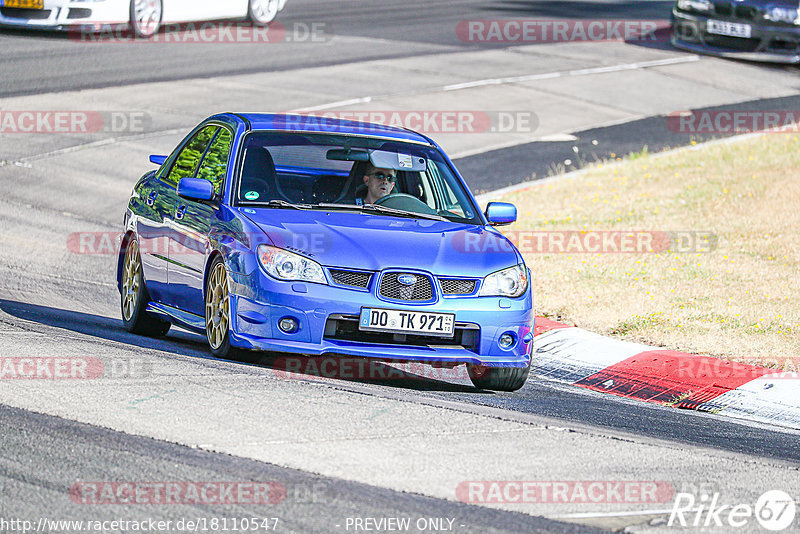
x=146 y=28
x=498 y=378
x=262 y=12
x=134 y=297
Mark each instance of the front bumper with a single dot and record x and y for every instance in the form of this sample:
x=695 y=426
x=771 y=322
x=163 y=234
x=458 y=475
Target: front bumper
x=768 y=42
x=259 y=302
x=66 y=14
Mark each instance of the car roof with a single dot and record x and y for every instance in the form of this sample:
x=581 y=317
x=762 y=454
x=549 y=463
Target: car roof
x=313 y=123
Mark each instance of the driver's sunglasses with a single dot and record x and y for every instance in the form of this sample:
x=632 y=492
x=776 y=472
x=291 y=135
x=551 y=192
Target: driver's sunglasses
x=391 y=178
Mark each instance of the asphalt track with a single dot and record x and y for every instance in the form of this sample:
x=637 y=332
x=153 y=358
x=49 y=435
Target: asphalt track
x=413 y=28
x=308 y=503
x=42 y=302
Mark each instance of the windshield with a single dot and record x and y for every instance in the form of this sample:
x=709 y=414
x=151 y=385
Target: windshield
x=328 y=171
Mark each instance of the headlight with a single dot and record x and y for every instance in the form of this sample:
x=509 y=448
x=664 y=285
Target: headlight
x=285 y=265
x=511 y=282
x=695 y=5
x=783 y=14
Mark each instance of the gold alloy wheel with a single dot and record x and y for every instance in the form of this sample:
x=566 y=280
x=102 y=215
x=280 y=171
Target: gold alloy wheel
x=131 y=280
x=217 y=311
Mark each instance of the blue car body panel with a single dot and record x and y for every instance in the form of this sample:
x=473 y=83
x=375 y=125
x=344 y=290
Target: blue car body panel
x=179 y=238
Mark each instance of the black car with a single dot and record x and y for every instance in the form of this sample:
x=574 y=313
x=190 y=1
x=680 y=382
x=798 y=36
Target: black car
x=759 y=30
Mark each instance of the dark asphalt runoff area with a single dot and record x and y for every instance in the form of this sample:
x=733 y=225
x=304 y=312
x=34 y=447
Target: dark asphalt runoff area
x=55 y=461
x=38 y=62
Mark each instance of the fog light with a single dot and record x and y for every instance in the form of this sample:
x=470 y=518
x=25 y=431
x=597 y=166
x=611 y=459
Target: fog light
x=506 y=341
x=288 y=325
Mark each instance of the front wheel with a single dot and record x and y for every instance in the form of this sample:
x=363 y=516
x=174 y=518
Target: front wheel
x=498 y=378
x=262 y=12
x=146 y=17
x=218 y=316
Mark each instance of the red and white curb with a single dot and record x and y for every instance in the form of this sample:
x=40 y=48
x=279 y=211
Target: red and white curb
x=582 y=358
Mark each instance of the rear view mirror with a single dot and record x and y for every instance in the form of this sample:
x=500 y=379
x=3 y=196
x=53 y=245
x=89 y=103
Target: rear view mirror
x=341 y=154
x=381 y=159
x=158 y=160
x=499 y=213
x=195 y=189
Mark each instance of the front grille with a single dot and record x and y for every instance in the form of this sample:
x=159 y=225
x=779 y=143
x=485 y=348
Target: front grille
x=391 y=288
x=351 y=278
x=79 y=13
x=24 y=13
x=784 y=46
x=723 y=8
x=726 y=9
x=345 y=328
x=452 y=286
x=745 y=12
x=734 y=43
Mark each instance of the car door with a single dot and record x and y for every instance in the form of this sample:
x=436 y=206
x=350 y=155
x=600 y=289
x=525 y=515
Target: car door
x=183 y=165
x=152 y=233
x=191 y=225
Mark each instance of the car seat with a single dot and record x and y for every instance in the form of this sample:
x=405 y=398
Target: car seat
x=258 y=175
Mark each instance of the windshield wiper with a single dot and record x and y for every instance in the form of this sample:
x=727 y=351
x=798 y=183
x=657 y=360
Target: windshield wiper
x=283 y=204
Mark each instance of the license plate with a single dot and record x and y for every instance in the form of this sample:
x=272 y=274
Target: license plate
x=407 y=322
x=25 y=4
x=731 y=29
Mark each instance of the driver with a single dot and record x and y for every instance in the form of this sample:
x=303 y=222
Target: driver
x=378 y=182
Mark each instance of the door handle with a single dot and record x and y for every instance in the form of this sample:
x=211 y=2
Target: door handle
x=180 y=212
x=151 y=198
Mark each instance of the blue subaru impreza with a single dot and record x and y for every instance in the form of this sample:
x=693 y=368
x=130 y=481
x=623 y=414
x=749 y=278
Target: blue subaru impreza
x=314 y=236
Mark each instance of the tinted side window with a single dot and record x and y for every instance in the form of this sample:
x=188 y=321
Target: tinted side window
x=189 y=158
x=215 y=164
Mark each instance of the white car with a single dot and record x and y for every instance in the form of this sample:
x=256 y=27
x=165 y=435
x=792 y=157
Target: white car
x=144 y=17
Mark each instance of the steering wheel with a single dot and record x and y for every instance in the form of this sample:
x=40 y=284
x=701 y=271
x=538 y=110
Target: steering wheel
x=391 y=196
x=405 y=202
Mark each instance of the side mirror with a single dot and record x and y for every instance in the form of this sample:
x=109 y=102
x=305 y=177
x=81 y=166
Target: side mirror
x=158 y=160
x=499 y=213
x=196 y=189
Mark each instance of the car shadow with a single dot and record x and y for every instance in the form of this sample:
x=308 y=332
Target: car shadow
x=414 y=376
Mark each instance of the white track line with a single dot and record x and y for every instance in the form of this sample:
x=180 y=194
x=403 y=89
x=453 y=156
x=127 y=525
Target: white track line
x=579 y=72
x=366 y=99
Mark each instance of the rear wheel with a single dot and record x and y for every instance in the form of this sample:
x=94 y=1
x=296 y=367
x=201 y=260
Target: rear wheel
x=146 y=17
x=263 y=12
x=498 y=378
x=135 y=297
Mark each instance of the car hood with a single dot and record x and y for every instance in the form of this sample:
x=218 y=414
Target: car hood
x=371 y=242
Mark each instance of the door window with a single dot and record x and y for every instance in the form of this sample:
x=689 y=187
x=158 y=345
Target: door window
x=215 y=163
x=186 y=163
